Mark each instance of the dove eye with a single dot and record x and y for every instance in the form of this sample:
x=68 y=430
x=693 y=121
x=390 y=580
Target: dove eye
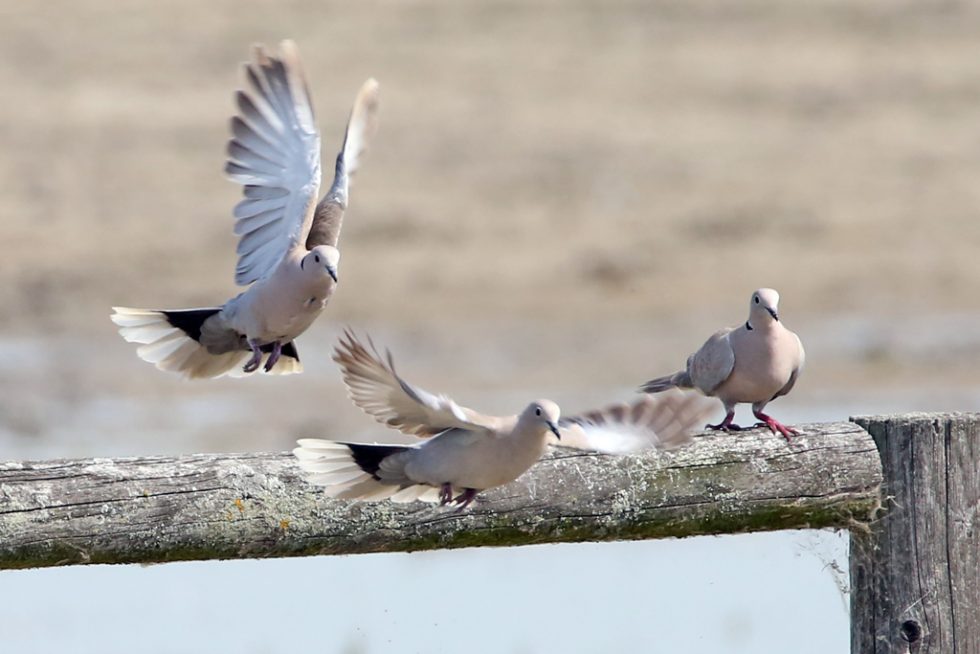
x=316 y=257
x=757 y=299
x=537 y=411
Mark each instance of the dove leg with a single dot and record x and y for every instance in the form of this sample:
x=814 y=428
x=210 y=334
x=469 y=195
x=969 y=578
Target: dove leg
x=273 y=356
x=726 y=424
x=253 y=364
x=774 y=425
x=465 y=498
x=445 y=494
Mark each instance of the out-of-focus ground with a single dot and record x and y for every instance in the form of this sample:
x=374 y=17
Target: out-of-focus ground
x=563 y=200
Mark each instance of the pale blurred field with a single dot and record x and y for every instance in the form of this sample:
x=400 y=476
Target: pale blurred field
x=564 y=199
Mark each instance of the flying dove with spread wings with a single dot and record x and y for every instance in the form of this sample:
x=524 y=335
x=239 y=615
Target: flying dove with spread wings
x=465 y=452
x=287 y=250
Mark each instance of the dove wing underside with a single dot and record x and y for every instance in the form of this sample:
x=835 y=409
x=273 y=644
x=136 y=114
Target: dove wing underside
x=375 y=387
x=275 y=154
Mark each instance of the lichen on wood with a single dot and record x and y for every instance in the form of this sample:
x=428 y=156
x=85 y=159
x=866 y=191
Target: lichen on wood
x=220 y=506
x=914 y=575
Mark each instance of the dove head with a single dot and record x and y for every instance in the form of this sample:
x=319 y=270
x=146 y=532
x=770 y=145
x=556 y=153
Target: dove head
x=764 y=307
x=543 y=413
x=322 y=260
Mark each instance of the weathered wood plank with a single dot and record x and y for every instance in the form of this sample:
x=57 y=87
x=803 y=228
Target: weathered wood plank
x=915 y=579
x=255 y=505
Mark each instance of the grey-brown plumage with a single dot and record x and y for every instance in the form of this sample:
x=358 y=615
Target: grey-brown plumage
x=662 y=422
x=328 y=217
x=287 y=248
x=754 y=363
x=465 y=452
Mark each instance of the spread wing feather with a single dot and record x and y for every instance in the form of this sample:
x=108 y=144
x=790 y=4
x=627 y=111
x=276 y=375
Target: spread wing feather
x=662 y=421
x=375 y=387
x=275 y=153
x=361 y=125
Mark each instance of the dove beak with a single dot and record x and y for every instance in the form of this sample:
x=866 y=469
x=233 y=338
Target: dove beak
x=332 y=273
x=554 y=429
x=772 y=312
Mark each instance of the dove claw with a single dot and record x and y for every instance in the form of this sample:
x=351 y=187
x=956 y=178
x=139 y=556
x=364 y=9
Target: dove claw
x=775 y=426
x=253 y=364
x=465 y=498
x=726 y=424
x=445 y=494
x=273 y=356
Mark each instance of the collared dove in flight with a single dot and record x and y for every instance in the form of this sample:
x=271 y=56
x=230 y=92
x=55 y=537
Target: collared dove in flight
x=754 y=363
x=466 y=452
x=288 y=247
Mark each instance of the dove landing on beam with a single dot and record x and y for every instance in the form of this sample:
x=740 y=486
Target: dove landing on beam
x=288 y=247
x=754 y=363
x=465 y=452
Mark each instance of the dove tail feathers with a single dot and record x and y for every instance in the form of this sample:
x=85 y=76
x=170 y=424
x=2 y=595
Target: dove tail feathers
x=355 y=471
x=660 y=384
x=171 y=341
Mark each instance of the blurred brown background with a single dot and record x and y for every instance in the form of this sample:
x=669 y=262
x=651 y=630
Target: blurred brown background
x=563 y=200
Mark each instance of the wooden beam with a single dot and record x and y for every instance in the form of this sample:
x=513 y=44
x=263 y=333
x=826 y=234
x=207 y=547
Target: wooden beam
x=915 y=578
x=219 y=506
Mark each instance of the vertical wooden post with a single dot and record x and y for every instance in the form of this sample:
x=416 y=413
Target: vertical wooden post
x=914 y=577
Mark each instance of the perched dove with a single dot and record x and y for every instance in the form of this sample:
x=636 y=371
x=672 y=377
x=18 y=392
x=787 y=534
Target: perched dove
x=756 y=363
x=288 y=247
x=464 y=451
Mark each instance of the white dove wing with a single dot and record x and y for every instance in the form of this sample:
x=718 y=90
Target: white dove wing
x=375 y=388
x=662 y=421
x=275 y=153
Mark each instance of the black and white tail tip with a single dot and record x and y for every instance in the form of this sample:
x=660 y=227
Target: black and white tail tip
x=349 y=471
x=170 y=341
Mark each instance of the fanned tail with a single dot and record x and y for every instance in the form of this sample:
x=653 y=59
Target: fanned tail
x=171 y=340
x=355 y=471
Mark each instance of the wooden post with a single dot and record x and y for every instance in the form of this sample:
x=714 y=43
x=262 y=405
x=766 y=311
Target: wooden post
x=914 y=577
x=215 y=506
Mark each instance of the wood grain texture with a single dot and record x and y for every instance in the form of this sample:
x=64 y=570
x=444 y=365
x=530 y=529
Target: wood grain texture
x=218 y=506
x=914 y=577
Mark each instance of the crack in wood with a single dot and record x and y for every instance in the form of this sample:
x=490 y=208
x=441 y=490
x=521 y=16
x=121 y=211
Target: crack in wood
x=181 y=508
